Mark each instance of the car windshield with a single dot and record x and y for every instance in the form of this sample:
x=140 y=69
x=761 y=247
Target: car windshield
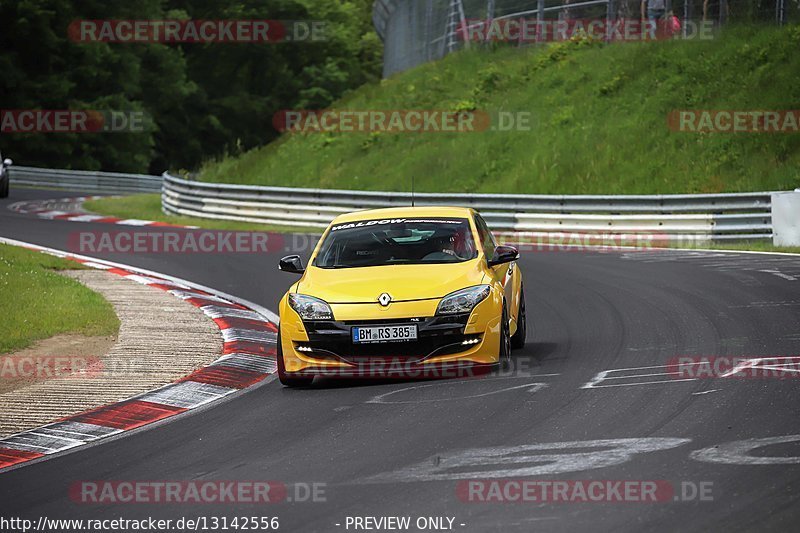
x=397 y=241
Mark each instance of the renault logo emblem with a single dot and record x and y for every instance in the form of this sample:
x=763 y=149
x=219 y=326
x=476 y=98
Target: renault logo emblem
x=384 y=299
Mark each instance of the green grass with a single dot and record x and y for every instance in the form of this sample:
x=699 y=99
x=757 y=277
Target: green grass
x=148 y=207
x=37 y=303
x=751 y=246
x=598 y=115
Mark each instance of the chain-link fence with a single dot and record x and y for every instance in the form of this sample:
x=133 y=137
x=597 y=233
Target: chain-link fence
x=416 y=31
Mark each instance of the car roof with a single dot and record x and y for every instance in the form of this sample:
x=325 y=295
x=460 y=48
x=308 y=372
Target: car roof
x=405 y=212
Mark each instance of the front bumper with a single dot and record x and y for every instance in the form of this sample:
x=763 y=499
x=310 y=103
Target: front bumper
x=446 y=346
x=435 y=336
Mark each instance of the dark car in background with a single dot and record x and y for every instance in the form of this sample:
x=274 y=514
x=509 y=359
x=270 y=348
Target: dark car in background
x=4 y=177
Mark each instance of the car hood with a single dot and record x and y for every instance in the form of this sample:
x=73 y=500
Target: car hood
x=402 y=282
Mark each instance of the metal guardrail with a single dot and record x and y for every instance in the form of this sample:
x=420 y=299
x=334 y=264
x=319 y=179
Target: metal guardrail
x=110 y=182
x=676 y=216
x=679 y=216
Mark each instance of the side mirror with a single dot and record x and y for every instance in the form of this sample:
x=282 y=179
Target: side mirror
x=503 y=254
x=7 y=162
x=292 y=264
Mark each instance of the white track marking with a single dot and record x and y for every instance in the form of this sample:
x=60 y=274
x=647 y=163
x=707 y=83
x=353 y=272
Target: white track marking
x=381 y=398
x=218 y=311
x=86 y=218
x=186 y=295
x=526 y=460
x=780 y=274
x=57 y=436
x=149 y=280
x=246 y=361
x=640 y=383
x=603 y=376
x=79 y=430
x=187 y=394
x=738 y=452
x=789 y=363
x=237 y=334
x=645 y=375
x=738 y=368
x=134 y=222
x=51 y=214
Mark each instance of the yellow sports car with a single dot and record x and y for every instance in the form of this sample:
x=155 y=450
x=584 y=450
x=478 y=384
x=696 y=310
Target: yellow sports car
x=406 y=292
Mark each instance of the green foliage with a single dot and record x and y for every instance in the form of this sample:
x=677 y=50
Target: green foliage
x=599 y=116
x=206 y=100
x=37 y=303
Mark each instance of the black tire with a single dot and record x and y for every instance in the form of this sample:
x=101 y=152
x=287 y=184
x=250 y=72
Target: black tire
x=518 y=339
x=4 y=186
x=286 y=380
x=505 y=341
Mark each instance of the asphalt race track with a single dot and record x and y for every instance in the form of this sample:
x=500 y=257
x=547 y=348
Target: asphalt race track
x=398 y=448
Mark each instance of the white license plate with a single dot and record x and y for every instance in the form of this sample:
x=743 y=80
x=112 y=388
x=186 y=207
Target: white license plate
x=368 y=334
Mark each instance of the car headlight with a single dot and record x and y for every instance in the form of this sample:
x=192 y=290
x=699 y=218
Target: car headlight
x=310 y=308
x=462 y=301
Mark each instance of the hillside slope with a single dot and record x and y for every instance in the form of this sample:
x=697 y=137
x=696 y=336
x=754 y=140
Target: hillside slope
x=599 y=122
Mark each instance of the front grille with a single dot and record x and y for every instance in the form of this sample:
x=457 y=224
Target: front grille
x=439 y=335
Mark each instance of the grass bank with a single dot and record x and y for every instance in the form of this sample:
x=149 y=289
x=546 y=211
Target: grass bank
x=598 y=122
x=37 y=303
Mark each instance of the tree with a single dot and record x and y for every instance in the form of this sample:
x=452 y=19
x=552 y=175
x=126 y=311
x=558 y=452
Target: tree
x=204 y=99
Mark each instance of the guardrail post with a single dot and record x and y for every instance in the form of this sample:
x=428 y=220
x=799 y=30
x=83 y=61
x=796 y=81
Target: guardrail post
x=686 y=15
x=609 y=18
x=539 y=20
x=786 y=218
x=780 y=11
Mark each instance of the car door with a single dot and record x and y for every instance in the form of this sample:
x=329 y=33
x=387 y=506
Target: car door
x=504 y=274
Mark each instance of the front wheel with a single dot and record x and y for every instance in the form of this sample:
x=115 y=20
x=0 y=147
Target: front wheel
x=283 y=377
x=518 y=340
x=505 y=340
x=4 y=185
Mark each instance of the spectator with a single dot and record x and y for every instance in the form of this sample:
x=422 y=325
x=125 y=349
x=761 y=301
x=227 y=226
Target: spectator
x=653 y=10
